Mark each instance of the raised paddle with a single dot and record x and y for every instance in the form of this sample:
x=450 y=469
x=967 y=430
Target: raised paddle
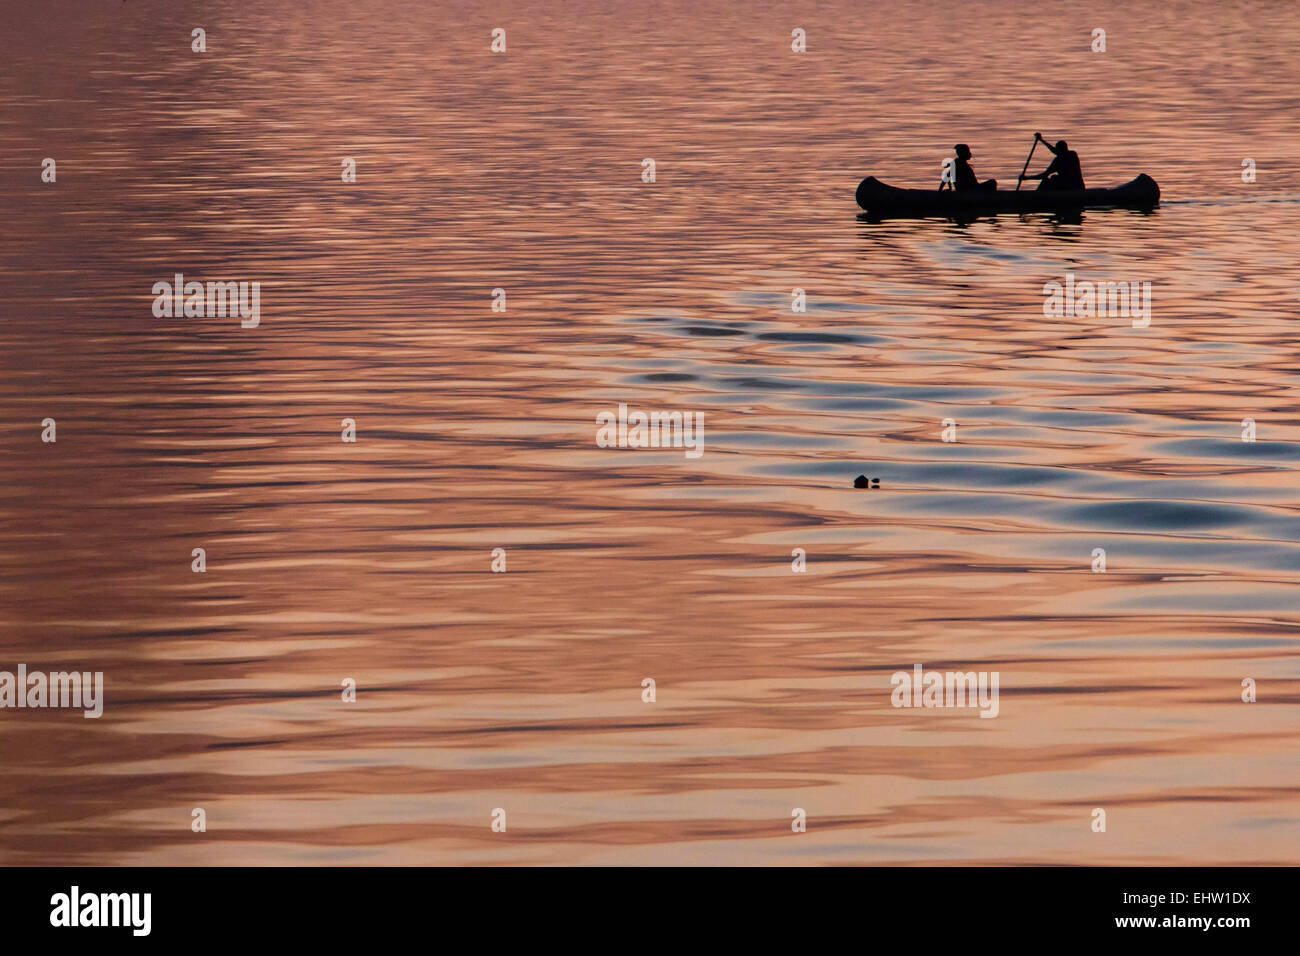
x=1037 y=137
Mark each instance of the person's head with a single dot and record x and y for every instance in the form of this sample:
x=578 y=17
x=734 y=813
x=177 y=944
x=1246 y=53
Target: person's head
x=1062 y=145
x=963 y=151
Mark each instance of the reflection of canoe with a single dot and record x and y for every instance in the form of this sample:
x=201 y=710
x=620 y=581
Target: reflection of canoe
x=879 y=199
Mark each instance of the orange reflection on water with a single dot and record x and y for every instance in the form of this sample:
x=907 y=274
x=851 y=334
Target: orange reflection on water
x=476 y=430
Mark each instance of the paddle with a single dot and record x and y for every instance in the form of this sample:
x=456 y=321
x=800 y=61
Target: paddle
x=1037 y=137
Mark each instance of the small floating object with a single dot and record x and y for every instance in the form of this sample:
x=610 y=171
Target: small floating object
x=881 y=199
x=862 y=481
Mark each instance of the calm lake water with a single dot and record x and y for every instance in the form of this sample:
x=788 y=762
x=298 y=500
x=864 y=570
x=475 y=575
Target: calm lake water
x=476 y=430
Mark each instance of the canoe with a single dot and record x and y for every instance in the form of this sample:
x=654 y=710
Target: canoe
x=881 y=199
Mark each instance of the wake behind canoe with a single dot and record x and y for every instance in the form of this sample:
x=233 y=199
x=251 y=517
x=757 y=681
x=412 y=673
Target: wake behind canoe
x=881 y=199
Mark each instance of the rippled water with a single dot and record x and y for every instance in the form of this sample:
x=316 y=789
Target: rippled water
x=476 y=430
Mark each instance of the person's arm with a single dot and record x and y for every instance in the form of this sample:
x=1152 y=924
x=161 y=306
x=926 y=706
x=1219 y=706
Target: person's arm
x=1052 y=167
x=1039 y=137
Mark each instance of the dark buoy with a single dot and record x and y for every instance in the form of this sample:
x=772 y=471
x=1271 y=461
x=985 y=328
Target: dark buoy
x=862 y=481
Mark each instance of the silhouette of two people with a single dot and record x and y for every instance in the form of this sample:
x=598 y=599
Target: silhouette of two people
x=1064 y=171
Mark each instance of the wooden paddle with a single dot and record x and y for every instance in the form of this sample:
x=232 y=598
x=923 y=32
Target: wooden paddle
x=1037 y=137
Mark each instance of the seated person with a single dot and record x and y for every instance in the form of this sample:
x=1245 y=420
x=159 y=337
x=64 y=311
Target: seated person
x=965 y=175
x=1064 y=171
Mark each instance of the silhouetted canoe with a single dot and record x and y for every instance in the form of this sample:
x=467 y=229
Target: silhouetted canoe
x=881 y=199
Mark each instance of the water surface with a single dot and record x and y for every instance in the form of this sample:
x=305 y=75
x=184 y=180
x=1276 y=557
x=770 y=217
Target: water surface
x=476 y=430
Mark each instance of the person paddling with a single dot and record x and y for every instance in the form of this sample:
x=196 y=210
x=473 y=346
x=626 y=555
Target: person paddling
x=1064 y=171
x=964 y=175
